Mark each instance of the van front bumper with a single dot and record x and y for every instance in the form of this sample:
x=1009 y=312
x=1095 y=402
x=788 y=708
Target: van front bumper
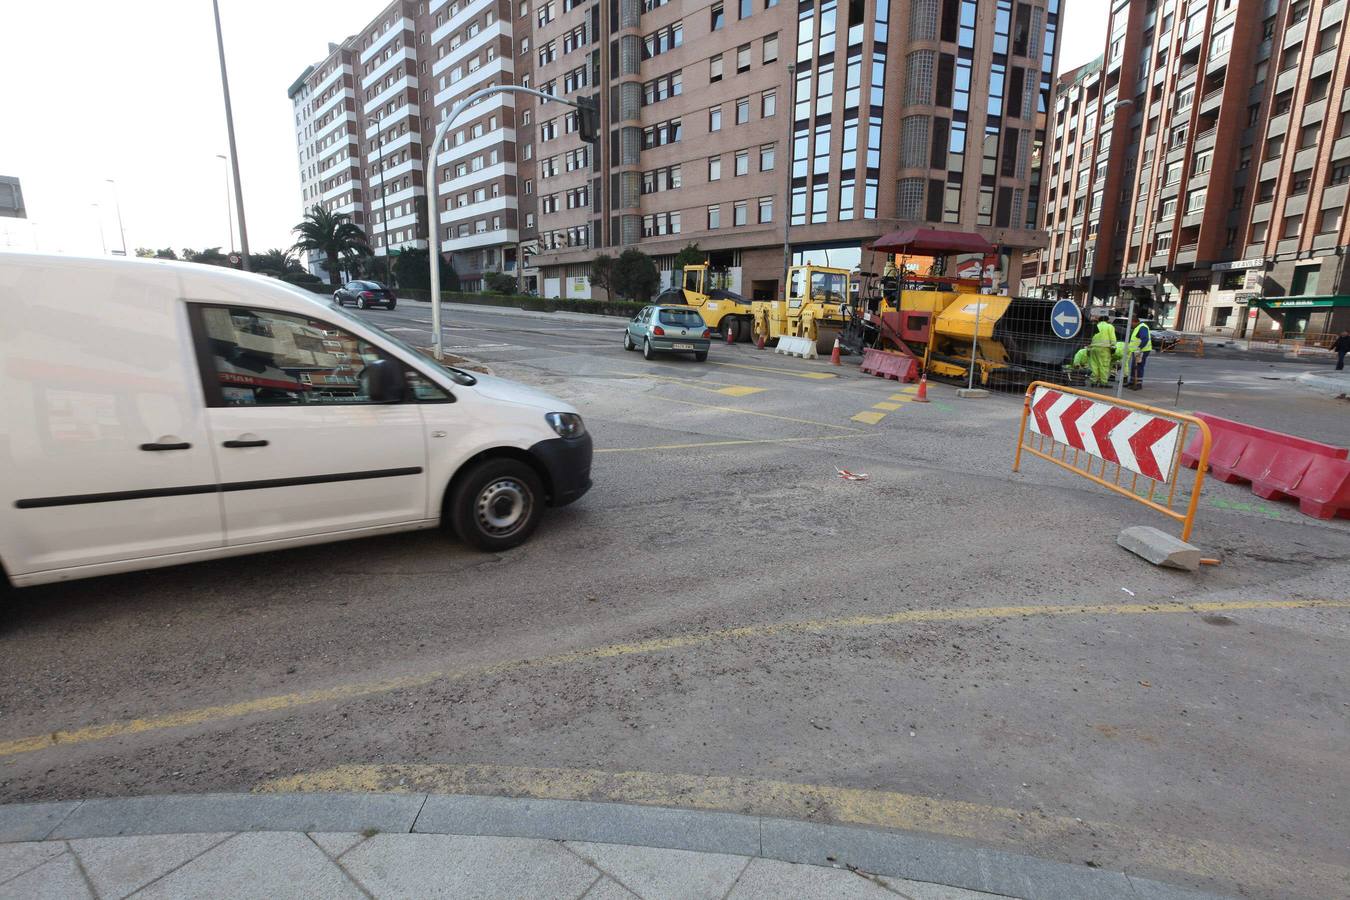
x=568 y=461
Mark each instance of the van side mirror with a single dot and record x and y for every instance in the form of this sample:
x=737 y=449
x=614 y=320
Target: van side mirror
x=382 y=381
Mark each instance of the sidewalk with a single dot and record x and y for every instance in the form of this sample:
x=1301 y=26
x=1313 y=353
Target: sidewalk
x=448 y=307
x=1331 y=383
x=419 y=845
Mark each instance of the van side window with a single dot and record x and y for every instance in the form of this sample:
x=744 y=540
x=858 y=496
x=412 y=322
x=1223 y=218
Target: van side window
x=255 y=357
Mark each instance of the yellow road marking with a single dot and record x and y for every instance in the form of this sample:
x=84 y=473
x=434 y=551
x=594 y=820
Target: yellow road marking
x=355 y=690
x=815 y=375
x=871 y=418
x=827 y=437
x=728 y=390
x=889 y=407
x=812 y=802
x=901 y=398
x=751 y=412
x=910 y=390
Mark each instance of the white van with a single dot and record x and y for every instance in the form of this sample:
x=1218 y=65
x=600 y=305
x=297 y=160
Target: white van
x=155 y=413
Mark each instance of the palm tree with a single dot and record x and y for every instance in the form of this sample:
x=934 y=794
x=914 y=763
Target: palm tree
x=333 y=234
x=276 y=261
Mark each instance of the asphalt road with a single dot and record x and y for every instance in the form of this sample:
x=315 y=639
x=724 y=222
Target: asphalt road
x=725 y=623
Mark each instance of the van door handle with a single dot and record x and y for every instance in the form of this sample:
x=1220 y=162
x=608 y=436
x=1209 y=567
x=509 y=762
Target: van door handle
x=155 y=447
x=240 y=443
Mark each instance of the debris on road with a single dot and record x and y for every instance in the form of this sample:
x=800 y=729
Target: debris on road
x=851 y=476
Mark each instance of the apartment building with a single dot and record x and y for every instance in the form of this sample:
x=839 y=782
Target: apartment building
x=1216 y=190
x=738 y=125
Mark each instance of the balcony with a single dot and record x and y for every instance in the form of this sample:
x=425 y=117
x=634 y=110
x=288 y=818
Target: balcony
x=1335 y=195
x=1193 y=217
x=1341 y=149
x=1332 y=12
x=1211 y=101
x=1278 y=125
x=1287 y=80
x=1263 y=51
x=1186 y=254
x=1305 y=158
x=1323 y=63
x=1261 y=211
x=1187 y=75
x=1159 y=259
x=1315 y=112
x=1205 y=139
x=1294 y=34
x=1296 y=205
x=1270 y=169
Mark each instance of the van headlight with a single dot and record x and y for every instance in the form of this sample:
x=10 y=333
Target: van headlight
x=568 y=425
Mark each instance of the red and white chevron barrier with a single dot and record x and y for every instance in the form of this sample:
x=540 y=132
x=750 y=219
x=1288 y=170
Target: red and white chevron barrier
x=1136 y=441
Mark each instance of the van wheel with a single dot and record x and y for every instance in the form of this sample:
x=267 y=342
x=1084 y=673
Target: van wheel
x=497 y=504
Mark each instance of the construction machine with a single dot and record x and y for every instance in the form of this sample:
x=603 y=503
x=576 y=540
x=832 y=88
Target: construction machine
x=721 y=308
x=933 y=317
x=816 y=306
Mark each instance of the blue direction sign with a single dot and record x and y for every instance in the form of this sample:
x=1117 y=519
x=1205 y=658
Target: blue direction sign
x=1066 y=319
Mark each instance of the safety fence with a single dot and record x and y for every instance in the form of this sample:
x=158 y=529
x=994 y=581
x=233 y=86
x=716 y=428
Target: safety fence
x=1129 y=448
x=1308 y=342
x=1192 y=346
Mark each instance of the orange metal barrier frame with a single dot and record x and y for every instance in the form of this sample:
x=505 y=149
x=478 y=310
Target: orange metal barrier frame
x=1187 y=519
x=1195 y=346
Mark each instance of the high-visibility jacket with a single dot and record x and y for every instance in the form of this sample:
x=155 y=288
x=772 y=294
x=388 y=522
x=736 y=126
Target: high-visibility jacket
x=1104 y=338
x=1080 y=359
x=1144 y=334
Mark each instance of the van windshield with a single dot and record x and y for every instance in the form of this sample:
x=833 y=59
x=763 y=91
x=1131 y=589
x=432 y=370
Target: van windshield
x=458 y=375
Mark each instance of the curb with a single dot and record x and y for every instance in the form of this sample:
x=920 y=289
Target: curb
x=1329 y=384
x=888 y=853
x=528 y=313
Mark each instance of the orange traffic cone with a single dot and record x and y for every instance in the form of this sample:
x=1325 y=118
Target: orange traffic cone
x=834 y=354
x=922 y=395
x=731 y=333
x=759 y=339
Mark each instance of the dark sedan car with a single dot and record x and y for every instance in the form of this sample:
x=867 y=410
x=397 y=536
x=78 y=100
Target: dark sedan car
x=365 y=294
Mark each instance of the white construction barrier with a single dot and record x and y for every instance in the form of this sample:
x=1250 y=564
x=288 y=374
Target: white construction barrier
x=796 y=346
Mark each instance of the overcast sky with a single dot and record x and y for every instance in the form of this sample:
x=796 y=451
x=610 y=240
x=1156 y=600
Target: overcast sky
x=130 y=91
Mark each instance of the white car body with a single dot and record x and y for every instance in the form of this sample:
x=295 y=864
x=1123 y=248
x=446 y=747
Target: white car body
x=103 y=361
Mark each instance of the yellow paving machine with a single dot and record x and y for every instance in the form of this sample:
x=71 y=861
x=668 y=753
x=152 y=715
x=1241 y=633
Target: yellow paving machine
x=816 y=306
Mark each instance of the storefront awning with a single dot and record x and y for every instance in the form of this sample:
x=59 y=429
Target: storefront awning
x=1278 y=304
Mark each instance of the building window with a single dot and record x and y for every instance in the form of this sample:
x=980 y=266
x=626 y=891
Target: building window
x=1291 y=227
x=714 y=168
x=743 y=58
x=742 y=110
x=718 y=19
x=715 y=119
x=742 y=162
x=714 y=217
x=766 y=158
x=715 y=68
x=738 y=213
x=663 y=40
x=770 y=53
x=914 y=149
x=768 y=104
x=919 y=81
x=909 y=200
x=765 y=209
x=1329 y=221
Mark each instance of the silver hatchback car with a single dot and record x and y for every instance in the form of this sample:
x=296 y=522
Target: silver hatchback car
x=668 y=329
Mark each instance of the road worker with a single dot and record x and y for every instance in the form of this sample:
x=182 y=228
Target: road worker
x=1141 y=345
x=1099 y=350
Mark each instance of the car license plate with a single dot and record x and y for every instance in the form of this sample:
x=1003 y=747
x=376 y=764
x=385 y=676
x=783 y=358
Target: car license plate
x=684 y=346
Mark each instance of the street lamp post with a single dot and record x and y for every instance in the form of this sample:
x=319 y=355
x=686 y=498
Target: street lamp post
x=229 y=213
x=229 y=127
x=384 y=215
x=118 y=204
x=433 y=190
x=99 y=216
x=789 y=115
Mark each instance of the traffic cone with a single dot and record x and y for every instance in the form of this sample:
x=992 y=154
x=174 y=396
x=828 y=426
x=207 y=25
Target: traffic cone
x=834 y=354
x=759 y=339
x=922 y=395
x=730 y=332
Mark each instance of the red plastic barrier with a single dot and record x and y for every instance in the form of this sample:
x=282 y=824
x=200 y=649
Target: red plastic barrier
x=1324 y=490
x=1279 y=466
x=889 y=365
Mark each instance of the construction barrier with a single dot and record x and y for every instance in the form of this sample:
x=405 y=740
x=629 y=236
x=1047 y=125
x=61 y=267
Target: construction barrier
x=889 y=365
x=1296 y=344
x=1137 y=441
x=796 y=346
x=1193 y=345
x=1279 y=466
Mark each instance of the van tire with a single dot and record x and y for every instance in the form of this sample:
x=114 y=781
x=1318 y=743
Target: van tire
x=497 y=504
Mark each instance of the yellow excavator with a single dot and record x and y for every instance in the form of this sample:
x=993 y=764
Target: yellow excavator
x=816 y=306
x=721 y=308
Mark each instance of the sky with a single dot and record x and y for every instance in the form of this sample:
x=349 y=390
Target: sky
x=130 y=91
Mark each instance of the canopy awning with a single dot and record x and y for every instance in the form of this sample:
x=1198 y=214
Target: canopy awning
x=1277 y=304
x=932 y=242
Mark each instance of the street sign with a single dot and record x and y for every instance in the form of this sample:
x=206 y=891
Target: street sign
x=1136 y=441
x=1066 y=319
x=235 y=259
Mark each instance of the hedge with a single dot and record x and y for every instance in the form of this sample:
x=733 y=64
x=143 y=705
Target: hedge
x=624 y=308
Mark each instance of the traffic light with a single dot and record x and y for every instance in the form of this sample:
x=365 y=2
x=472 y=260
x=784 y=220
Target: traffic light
x=588 y=119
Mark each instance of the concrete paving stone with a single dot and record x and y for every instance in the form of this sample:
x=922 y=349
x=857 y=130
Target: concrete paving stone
x=460 y=866
x=939 y=862
x=263 y=866
x=241 y=812
x=122 y=865
x=15 y=859
x=770 y=879
x=1147 y=889
x=609 y=889
x=336 y=843
x=57 y=879
x=1160 y=548
x=32 y=821
x=655 y=873
x=923 y=890
x=606 y=823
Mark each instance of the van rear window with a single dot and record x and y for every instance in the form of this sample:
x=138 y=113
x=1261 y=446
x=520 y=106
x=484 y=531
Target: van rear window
x=680 y=318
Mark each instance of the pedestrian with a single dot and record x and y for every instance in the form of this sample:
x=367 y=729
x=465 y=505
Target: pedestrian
x=1099 y=351
x=1341 y=347
x=1141 y=345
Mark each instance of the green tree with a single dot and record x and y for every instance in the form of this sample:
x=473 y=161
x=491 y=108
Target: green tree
x=635 y=276
x=412 y=269
x=689 y=256
x=334 y=235
x=164 y=253
x=602 y=274
x=211 y=256
x=499 y=283
x=275 y=262
x=145 y=253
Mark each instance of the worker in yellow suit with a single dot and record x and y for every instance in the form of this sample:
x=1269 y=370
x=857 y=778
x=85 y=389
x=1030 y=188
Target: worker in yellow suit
x=1099 y=351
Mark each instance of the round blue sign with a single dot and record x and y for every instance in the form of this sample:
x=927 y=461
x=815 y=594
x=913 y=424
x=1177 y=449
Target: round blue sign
x=1066 y=319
